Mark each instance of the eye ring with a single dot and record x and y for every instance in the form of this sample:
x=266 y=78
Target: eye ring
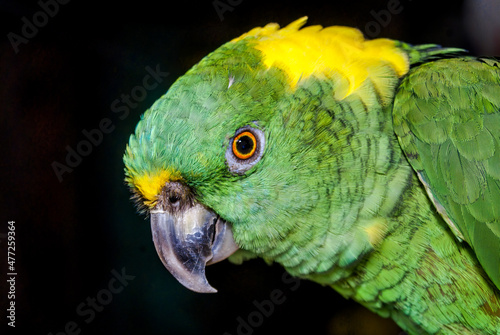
x=245 y=149
x=244 y=145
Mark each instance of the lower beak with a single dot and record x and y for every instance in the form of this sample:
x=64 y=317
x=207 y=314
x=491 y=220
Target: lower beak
x=189 y=239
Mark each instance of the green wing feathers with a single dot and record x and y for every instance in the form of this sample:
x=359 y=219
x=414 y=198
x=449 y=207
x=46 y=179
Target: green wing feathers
x=447 y=119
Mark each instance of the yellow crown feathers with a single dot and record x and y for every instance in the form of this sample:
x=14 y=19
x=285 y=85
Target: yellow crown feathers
x=315 y=50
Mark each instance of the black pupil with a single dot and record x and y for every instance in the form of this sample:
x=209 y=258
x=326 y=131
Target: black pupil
x=244 y=145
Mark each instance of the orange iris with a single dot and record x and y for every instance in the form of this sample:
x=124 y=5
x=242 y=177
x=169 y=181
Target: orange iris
x=244 y=145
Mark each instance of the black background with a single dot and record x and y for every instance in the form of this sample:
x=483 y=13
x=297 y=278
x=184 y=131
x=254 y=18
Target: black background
x=70 y=235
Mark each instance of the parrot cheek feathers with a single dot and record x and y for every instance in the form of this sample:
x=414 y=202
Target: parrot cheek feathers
x=188 y=236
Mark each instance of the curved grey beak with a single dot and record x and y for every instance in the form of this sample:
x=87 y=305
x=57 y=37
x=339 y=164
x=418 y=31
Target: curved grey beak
x=187 y=238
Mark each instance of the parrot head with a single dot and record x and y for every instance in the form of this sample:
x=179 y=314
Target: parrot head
x=238 y=152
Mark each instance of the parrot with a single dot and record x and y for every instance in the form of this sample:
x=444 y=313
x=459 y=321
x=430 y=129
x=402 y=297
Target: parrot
x=370 y=166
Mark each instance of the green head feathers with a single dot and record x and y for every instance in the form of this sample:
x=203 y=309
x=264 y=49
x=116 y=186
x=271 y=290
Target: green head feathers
x=307 y=133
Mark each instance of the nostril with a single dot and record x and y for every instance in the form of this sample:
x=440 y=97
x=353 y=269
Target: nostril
x=173 y=199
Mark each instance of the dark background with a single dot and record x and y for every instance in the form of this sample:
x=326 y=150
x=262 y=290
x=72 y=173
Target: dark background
x=72 y=234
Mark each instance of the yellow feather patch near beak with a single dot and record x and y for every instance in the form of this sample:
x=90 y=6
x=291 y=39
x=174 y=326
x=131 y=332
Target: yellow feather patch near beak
x=328 y=52
x=150 y=184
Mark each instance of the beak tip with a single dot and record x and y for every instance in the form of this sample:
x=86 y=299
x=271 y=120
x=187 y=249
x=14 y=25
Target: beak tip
x=208 y=289
x=197 y=284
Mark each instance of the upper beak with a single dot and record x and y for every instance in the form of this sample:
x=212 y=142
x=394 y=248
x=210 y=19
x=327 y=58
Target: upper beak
x=188 y=236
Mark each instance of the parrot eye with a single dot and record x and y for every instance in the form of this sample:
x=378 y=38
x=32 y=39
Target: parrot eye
x=244 y=145
x=245 y=149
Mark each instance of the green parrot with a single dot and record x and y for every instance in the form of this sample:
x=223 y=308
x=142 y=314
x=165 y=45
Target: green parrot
x=370 y=166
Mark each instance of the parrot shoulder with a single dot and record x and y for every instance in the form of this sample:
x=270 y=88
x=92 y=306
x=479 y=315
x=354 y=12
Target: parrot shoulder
x=446 y=116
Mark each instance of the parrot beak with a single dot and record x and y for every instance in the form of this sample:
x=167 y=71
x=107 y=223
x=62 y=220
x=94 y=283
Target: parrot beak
x=188 y=236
